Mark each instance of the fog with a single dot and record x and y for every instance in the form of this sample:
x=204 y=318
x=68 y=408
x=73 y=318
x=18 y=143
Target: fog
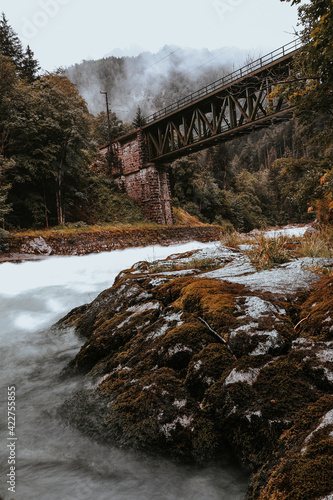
x=151 y=81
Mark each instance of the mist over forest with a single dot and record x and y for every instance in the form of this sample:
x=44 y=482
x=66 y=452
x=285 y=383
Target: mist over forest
x=151 y=81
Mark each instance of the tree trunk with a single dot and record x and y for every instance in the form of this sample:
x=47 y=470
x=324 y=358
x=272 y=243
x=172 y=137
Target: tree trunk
x=60 y=212
x=45 y=207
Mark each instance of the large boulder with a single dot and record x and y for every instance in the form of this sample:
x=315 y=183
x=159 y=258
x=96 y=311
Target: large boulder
x=202 y=356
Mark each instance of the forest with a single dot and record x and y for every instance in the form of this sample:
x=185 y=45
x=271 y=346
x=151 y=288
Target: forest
x=49 y=138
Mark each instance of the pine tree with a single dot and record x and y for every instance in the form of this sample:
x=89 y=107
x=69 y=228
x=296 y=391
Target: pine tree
x=30 y=66
x=10 y=44
x=139 y=119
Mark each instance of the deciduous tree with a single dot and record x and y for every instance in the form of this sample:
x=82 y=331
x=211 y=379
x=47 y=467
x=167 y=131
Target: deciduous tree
x=311 y=85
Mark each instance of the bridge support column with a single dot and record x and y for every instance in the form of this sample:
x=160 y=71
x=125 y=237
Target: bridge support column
x=147 y=183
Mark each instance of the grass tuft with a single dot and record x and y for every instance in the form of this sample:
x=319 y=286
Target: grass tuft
x=233 y=239
x=316 y=245
x=265 y=252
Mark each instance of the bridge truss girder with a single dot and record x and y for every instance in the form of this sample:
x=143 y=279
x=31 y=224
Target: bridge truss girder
x=231 y=111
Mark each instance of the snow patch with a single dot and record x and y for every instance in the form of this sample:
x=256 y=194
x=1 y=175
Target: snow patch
x=243 y=329
x=264 y=347
x=147 y=387
x=325 y=356
x=283 y=279
x=138 y=309
x=169 y=318
x=296 y=231
x=253 y=414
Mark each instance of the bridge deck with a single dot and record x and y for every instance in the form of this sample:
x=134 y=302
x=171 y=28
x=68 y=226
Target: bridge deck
x=278 y=55
x=233 y=105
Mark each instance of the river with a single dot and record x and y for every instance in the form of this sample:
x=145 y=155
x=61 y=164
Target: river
x=54 y=462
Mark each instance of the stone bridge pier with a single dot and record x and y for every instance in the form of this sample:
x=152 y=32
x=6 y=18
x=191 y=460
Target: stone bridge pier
x=146 y=182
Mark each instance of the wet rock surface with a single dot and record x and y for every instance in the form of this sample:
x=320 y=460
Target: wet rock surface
x=201 y=356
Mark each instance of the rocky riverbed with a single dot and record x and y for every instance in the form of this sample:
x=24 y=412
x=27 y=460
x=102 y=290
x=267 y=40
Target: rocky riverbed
x=203 y=357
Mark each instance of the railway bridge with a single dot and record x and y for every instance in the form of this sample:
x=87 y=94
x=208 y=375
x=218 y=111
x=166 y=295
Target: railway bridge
x=236 y=104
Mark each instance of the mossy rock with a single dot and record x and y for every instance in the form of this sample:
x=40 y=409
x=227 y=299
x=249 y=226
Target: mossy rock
x=169 y=292
x=207 y=367
x=108 y=338
x=180 y=344
x=284 y=389
x=164 y=383
x=303 y=467
x=154 y=413
x=213 y=300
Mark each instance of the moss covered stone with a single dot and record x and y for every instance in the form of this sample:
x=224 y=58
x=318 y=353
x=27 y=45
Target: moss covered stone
x=198 y=367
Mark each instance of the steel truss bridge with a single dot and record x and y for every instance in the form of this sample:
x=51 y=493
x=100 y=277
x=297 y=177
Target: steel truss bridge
x=234 y=105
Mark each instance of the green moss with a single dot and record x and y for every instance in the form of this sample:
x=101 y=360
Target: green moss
x=212 y=300
x=179 y=345
x=284 y=389
x=206 y=368
x=303 y=468
x=170 y=292
x=141 y=415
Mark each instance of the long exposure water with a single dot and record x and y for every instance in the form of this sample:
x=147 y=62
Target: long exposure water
x=52 y=461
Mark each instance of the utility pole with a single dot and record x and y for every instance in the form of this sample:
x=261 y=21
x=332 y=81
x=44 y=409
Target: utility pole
x=109 y=128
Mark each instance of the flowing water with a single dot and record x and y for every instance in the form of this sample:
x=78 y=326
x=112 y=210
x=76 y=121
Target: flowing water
x=54 y=462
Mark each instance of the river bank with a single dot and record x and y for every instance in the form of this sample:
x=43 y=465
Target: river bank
x=19 y=247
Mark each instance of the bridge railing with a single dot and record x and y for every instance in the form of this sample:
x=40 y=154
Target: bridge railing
x=225 y=80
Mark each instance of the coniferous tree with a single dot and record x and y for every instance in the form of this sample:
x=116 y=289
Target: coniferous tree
x=139 y=119
x=29 y=66
x=10 y=44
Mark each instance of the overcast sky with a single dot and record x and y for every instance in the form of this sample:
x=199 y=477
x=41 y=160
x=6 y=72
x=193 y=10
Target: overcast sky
x=65 y=32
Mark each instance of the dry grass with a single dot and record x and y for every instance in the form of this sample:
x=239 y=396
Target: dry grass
x=235 y=239
x=265 y=252
x=316 y=245
x=80 y=227
x=183 y=218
